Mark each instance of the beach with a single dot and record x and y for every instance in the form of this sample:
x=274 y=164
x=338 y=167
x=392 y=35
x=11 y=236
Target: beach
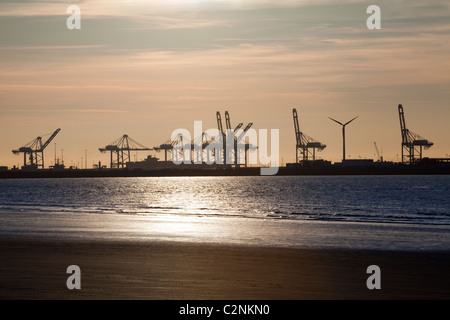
x=35 y=268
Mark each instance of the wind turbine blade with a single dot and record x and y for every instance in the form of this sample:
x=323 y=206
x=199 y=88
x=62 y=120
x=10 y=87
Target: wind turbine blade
x=335 y=121
x=351 y=120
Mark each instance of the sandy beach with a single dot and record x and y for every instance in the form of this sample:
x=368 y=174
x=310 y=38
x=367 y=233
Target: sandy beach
x=32 y=268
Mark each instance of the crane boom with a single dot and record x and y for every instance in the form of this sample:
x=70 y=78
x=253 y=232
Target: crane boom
x=401 y=115
x=298 y=133
x=378 y=152
x=227 y=120
x=248 y=126
x=50 y=139
x=219 y=122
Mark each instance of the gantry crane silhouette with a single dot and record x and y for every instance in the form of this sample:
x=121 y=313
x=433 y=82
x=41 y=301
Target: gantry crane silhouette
x=204 y=140
x=412 y=143
x=120 y=150
x=237 y=157
x=33 y=152
x=169 y=145
x=305 y=146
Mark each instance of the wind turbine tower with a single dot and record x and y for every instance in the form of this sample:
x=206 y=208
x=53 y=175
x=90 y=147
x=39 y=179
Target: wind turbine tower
x=343 y=134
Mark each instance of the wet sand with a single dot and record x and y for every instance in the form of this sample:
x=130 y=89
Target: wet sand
x=32 y=268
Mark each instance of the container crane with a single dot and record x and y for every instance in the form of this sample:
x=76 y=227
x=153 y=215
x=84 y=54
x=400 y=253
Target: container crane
x=236 y=139
x=305 y=145
x=247 y=146
x=412 y=143
x=229 y=128
x=380 y=157
x=228 y=122
x=122 y=148
x=167 y=147
x=33 y=152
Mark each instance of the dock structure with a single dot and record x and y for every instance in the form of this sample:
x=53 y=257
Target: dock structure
x=120 y=150
x=305 y=148
x=33 y=152
x=412 y=143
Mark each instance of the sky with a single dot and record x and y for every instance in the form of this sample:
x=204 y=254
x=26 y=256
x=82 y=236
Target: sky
x=147 y=67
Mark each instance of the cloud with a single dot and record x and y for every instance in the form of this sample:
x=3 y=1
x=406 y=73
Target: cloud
x=96 y=111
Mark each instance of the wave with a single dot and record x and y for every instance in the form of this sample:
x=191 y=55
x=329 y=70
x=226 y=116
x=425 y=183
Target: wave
x=423 y=218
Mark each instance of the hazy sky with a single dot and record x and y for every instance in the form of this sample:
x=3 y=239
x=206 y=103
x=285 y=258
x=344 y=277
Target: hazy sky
x=147 y=67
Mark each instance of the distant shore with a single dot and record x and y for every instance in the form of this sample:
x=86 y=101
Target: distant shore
x=35 y=268
x=249 y=171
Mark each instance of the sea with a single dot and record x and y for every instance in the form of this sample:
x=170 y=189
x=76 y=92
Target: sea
x=372 y=212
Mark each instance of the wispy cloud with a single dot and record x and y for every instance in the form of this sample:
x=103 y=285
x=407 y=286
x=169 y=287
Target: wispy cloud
x=161 y=64
x=96 y=111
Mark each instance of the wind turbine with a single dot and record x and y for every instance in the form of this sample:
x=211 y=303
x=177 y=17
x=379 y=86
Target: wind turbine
x=343 y=134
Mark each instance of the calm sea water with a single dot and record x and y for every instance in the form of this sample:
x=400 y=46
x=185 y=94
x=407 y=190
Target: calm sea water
x=419 y=200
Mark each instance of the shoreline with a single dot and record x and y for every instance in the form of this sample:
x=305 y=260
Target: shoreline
x=35 y=268
x=229 y=230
